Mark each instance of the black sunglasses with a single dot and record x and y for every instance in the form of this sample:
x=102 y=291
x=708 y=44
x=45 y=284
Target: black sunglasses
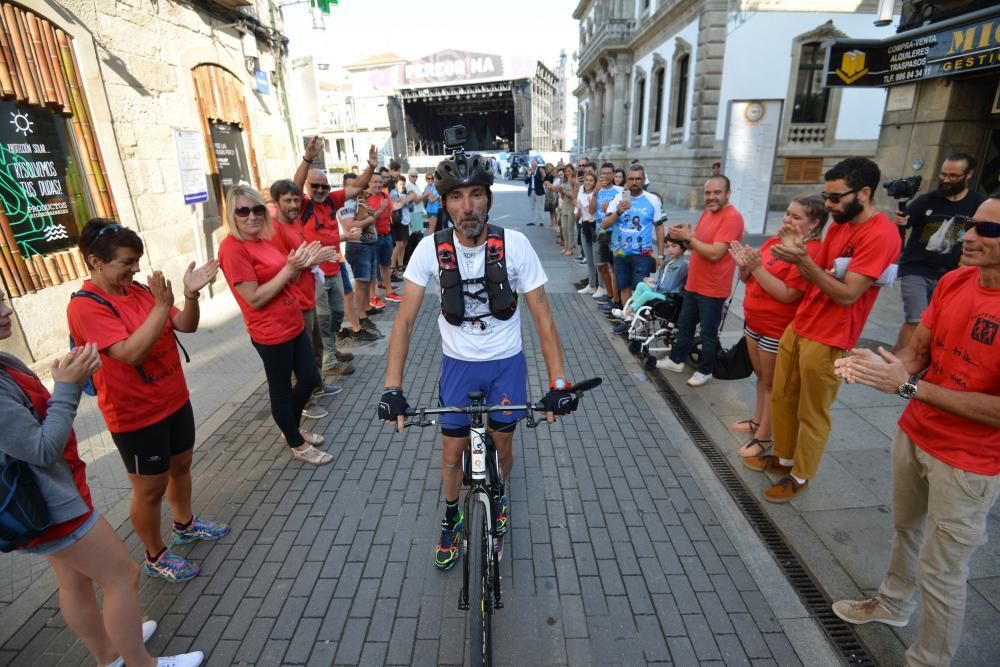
x=984 y=228
x=320 y=186
x=113 y=228
x=244 y=211
x=835 y=197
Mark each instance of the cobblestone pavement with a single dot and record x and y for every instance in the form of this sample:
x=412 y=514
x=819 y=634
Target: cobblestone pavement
x=624 y=549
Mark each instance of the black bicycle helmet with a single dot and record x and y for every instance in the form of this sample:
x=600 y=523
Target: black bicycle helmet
x=462 y=171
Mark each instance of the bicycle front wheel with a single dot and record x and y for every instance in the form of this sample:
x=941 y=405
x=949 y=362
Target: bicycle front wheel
x=480 y=616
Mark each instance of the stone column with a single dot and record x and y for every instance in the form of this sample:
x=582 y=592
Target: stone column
x=596 y=120
x=610 y=104
x=619 y=74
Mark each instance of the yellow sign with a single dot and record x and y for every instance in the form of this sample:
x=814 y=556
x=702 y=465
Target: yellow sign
x=852 y=67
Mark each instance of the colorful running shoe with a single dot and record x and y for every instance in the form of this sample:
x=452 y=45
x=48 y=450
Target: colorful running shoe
x=171 y=567
x=393 y=296
x=503 y=515
x=200 y=529
x=446 y=552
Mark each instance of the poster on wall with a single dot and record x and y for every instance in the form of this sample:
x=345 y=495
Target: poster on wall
x=191 y=163
x=34 y=161
x=230 y=156
x=748 y=157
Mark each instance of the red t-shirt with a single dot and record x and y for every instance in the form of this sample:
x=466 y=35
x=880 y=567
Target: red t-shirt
x=128 y=399
x=715 y=279
x=322 y=226
x=763 y=313
x=39 y=397
x=383 y=223
x=286 y=238
x=964 y=319
x=280 y=320
x=872 y=246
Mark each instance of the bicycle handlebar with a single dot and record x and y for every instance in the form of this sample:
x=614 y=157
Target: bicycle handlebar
x=480 y=409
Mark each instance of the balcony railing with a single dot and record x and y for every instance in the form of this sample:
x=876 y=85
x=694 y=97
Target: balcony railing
x=613 y=34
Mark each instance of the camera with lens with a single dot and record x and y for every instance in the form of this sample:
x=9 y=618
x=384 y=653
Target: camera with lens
x=903 y=190
x=454 y=140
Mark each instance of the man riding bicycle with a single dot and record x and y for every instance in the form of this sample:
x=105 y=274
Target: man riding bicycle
x=481 y=269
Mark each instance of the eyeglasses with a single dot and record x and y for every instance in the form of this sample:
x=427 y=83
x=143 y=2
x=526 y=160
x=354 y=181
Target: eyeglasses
x=984 y=228
x=320 y=186
x=835 y=197
x=244 y=211
x=951 y=177
x=114 y=228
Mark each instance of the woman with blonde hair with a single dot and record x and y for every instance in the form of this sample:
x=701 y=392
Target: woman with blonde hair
x=262 y=279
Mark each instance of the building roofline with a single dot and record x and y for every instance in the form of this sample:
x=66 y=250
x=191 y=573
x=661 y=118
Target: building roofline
x=581 y=8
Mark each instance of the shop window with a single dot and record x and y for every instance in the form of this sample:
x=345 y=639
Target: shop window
x=52 y=174
x=803 y=171
x=811 y=96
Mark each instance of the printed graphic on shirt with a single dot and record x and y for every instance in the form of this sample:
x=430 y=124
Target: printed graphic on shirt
x=985 y=329
x=633 y=232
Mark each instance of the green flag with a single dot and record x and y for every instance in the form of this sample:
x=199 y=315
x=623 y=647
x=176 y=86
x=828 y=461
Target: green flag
x=323 y=5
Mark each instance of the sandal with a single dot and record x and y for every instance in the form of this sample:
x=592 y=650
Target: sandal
x=754 y=447
x=309 y=454
x=310 y=438
x=745 y=426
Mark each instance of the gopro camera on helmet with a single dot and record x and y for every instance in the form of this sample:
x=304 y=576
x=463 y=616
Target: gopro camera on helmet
x=903 y=190
x=454 y=139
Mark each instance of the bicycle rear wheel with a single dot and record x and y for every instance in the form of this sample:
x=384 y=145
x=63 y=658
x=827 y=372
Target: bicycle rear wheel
x=480 y=615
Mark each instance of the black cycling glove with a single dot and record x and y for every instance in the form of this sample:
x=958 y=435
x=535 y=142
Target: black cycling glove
x=392 y=404
x=560 y=402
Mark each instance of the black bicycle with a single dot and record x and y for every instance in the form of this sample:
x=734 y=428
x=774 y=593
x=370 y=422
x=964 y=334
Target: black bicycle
x=482 y=547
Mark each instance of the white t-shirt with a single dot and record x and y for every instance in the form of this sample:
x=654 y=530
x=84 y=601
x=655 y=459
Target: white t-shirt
x=500 y=339
x=583 y=199
x=418 y=205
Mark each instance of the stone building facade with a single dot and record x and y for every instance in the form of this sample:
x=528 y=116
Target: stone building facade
x=143 y=69
x=656 y=78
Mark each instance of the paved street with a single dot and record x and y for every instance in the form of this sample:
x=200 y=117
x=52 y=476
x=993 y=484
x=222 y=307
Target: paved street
x=624 y=549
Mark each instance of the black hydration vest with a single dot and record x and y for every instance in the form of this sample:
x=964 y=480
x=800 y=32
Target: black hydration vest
x=494 y=282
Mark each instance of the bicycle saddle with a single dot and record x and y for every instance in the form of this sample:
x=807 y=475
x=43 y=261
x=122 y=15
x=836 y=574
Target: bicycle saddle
x=476 y=396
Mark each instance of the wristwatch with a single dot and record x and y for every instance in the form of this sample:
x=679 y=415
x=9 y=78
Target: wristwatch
x=909 y=388
x=559 y=384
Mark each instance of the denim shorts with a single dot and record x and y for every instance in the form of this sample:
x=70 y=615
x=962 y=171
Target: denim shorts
x=361 y=258
x=631 y=269
x=383 y=249
x=345 y=275
x=55 y=546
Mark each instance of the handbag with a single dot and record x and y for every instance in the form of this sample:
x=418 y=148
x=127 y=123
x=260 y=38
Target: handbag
x=550 y=200
x=734 y=363
x=24 y=514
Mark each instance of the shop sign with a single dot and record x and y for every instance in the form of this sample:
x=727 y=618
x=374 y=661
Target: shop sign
x=959 y=49
x=449 y=66
x=230 y=156
x=34 y=160
x=261 y=81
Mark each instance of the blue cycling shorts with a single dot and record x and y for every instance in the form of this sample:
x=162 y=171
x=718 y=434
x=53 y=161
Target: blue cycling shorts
x=502 y=381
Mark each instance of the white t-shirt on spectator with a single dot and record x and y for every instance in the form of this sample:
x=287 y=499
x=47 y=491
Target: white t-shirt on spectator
x=500 y=339
x=583 y=199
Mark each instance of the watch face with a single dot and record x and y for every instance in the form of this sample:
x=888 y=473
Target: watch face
x=907 y=390
x=560 y=384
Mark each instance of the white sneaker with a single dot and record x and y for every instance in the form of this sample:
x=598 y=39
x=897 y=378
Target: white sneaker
x=698 y=379
x=618 y=312
x=599 y=293
x=666 y=364
x=192 y=659
x=585 y=290
x=148 y=628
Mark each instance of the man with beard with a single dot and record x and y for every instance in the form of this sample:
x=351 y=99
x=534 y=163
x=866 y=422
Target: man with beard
x=933 y=247
x=855 y=254
x=480 y=331
x=710 y=279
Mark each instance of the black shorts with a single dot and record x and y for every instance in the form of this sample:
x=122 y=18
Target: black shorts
x=604 y=255
x=400 y=232
x=148 y=450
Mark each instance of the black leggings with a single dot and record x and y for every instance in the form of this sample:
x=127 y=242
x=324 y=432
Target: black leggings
x=287 y=403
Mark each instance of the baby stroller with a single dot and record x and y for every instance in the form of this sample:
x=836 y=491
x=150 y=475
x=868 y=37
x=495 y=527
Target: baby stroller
x=653 y=328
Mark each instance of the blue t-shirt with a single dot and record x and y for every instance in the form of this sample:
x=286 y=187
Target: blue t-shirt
x=632 y=233
x=604 y=197
x=432 y=207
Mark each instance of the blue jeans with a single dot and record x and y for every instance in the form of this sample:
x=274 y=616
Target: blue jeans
x=364 y=264
x=696 y=310
x=631 y=269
